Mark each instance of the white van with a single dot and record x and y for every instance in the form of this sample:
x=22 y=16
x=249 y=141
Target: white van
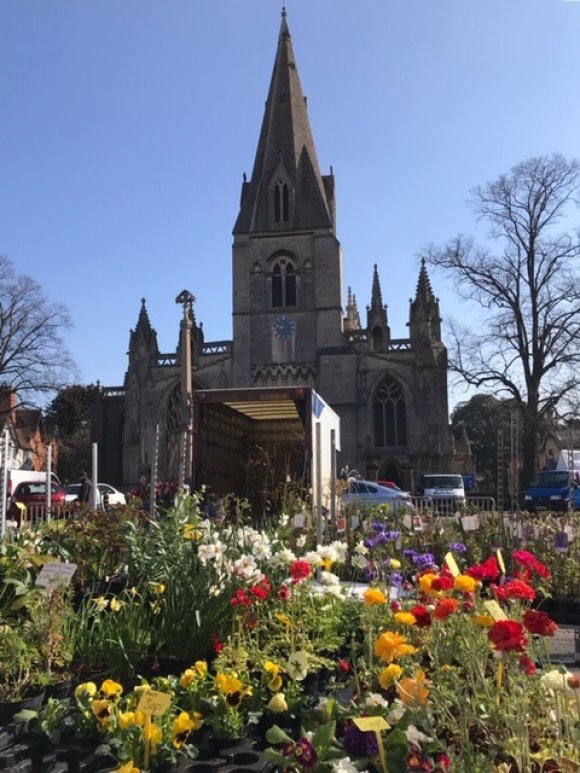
x=444 y=489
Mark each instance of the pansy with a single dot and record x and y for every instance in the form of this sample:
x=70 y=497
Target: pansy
x=305 y=753
x=111 y=689
x=277 y=703
x=273 y=671
x=153 y=735
x=181 y=729
x=298 y=665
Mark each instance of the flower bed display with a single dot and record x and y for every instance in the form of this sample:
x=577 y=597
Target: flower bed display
x=220 y=647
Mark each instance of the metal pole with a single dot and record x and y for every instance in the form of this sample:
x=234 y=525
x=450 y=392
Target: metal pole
x=95 y=474
x=4 y=468
x=153 y=481
x=318 y=501
x=333 y=481
x=49 y=483
x=186 y=299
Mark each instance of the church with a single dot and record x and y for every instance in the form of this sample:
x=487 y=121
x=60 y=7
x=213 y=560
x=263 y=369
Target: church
x=293 y=325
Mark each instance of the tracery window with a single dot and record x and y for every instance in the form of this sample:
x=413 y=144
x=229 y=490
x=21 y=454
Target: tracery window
x=283 y=284
x=390 y=414
x=281 y=202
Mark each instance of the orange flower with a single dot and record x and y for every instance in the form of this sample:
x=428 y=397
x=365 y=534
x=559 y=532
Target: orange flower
x=412 y=690
x=426 y=581
x=373 y=596
x=390 y=675
x=465 y=583
x=445 y=607
x=392 y=645
x=405 y=618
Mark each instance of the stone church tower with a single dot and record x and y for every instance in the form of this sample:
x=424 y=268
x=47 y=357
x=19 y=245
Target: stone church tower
x=289 y=328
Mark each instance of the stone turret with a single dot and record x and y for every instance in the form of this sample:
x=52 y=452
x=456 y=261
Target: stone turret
x=424 y=315
x=378 y=331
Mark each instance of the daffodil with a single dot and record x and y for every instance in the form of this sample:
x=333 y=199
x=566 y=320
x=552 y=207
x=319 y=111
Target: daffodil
x=116 y=605
x=101 y=603
x=157 y=587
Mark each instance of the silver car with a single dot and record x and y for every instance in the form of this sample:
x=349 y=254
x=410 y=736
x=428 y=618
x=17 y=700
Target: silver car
x=369 y=493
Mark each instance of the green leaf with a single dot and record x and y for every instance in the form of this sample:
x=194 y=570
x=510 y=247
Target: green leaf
x=324 y=736
x=25 y=715
x=278 y=759
x=276 y=735
x=397 y=748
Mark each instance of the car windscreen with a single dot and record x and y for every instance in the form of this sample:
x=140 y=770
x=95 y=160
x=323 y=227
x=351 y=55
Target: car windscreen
x=443 y=481
x=552 y=479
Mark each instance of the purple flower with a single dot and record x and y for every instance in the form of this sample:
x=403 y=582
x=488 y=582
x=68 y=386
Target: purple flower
x=305 y=753
x=423 y=560
x=409 y=553
x=457 y=547
x=359 y=744
x=396 y=579
x=392 y=535
x=370 y=572
x=379 y=526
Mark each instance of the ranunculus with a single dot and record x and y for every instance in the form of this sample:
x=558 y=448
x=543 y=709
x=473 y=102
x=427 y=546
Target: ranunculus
x=392 y=645
x=240 y=599
x=443 y=582
x=529 y=560
x=539 y=622
x=422 y=616
x=445 y=608
x=405 y=618
x=300 y=570
x=412 y=691
x=516 y=589
x=528 y=665
x=426 y=584
x=465 y=583
x=507 y=636
x=488 y=570
x=373 y=597
x=390 y=675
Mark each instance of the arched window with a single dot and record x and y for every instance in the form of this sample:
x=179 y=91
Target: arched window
x=283 y=284
x=390 y=414
x=281 y=202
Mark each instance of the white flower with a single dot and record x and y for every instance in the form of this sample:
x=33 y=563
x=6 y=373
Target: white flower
x=340 y=549
x=283 y=557
x=284 y=519
x=313 y=558
x=297 y=667
x=396 y=712
x=211 y=552
x=245 y=567
x=359 y=562
x=345 y=766
x=327 y=553
x=328 y=578
x=301 y=541
x=374 y=700
x=416 y=736
x=361 y=549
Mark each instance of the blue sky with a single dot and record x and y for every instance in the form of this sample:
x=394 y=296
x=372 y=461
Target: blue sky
x=126 y=126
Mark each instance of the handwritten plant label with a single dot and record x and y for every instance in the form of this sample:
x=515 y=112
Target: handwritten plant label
x=495 y=610
x=374 y=724
x=55 y=573
x=154 y=703
x=452 y=564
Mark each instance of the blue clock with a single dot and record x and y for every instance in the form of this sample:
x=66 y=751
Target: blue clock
x=283 y=327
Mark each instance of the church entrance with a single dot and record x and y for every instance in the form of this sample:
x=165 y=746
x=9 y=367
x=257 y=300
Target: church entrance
x=389 y=470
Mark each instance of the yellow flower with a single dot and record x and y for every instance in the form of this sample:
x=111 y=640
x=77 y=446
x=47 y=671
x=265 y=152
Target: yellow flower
x=227 y=683
x=275 y=682
x=188 y=676
x=102 y=710
x=484 y=621
x=101 y=603
x=413 y=690
x=152 y=735
x=116 y=605
x=126 y=719
x=327 y=563
x=374 y=596
x=127 y=767
x=284 y=619
x=182 y=727
x=425 y=582
x=86 y=688
x=157 y=587
x=277 y=703
x=141 y=688
x=405 y=618
x=201 y=667
x=392 y=645
x=465 y=583
x=390 y=675
x=394 y=564
x=111 y=689
x=190 y=532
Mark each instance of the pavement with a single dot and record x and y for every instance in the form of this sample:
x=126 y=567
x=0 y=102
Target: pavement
x=565 y=648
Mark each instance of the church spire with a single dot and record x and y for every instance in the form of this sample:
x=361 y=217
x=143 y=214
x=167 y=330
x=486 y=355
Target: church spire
x=286 y=190
x=378 y=331
x=424 y=315
x=144 y=336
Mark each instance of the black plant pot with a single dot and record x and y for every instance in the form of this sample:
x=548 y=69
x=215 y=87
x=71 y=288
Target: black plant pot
x=8 y=709
x=62 y=690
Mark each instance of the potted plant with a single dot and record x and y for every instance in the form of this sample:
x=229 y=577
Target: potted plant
x=21 y=680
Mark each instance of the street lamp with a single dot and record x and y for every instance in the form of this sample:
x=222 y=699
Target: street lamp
x=186 y=299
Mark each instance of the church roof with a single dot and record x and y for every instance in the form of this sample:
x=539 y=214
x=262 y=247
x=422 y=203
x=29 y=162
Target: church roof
x=285 y=151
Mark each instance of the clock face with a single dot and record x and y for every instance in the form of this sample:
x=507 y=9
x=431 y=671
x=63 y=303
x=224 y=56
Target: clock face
x=283 y=327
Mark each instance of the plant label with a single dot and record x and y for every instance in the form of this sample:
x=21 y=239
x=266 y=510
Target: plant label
x=55 y=573
x=154 y=703
x=368 y=724
x=452 y=564
x=500 y=560
x=495 y=610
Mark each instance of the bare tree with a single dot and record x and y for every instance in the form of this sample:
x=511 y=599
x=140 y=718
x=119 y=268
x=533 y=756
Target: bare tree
x=33 y=358
x=527 y=342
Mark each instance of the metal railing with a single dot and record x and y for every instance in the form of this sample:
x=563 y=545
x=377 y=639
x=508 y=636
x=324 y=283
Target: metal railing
x=449 y=506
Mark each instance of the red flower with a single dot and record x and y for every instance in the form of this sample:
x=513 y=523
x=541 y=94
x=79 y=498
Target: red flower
x=284 y=593
x=216 y=643
x=421 y=615
x=261 y=590
x=300 y=570
x=488 y=570
x=516 y=589
x=305 y=753
x=343 y=665
x=528 y=665
x=530 y=561
x=443 y=582
x=540 y=623
x=507 y=635
x=442 y=760
x=445 y=607
x=240 y=599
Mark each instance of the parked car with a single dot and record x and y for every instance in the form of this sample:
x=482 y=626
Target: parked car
x=110 y=496
x=32 y=494
x=73 y=490
x=370 y=493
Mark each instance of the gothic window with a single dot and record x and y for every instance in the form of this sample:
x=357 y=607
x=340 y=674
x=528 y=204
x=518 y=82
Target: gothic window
x=283 y=284
x=390 y=414
x=281 y=202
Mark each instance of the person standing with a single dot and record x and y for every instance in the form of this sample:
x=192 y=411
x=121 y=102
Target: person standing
x=85 y=489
